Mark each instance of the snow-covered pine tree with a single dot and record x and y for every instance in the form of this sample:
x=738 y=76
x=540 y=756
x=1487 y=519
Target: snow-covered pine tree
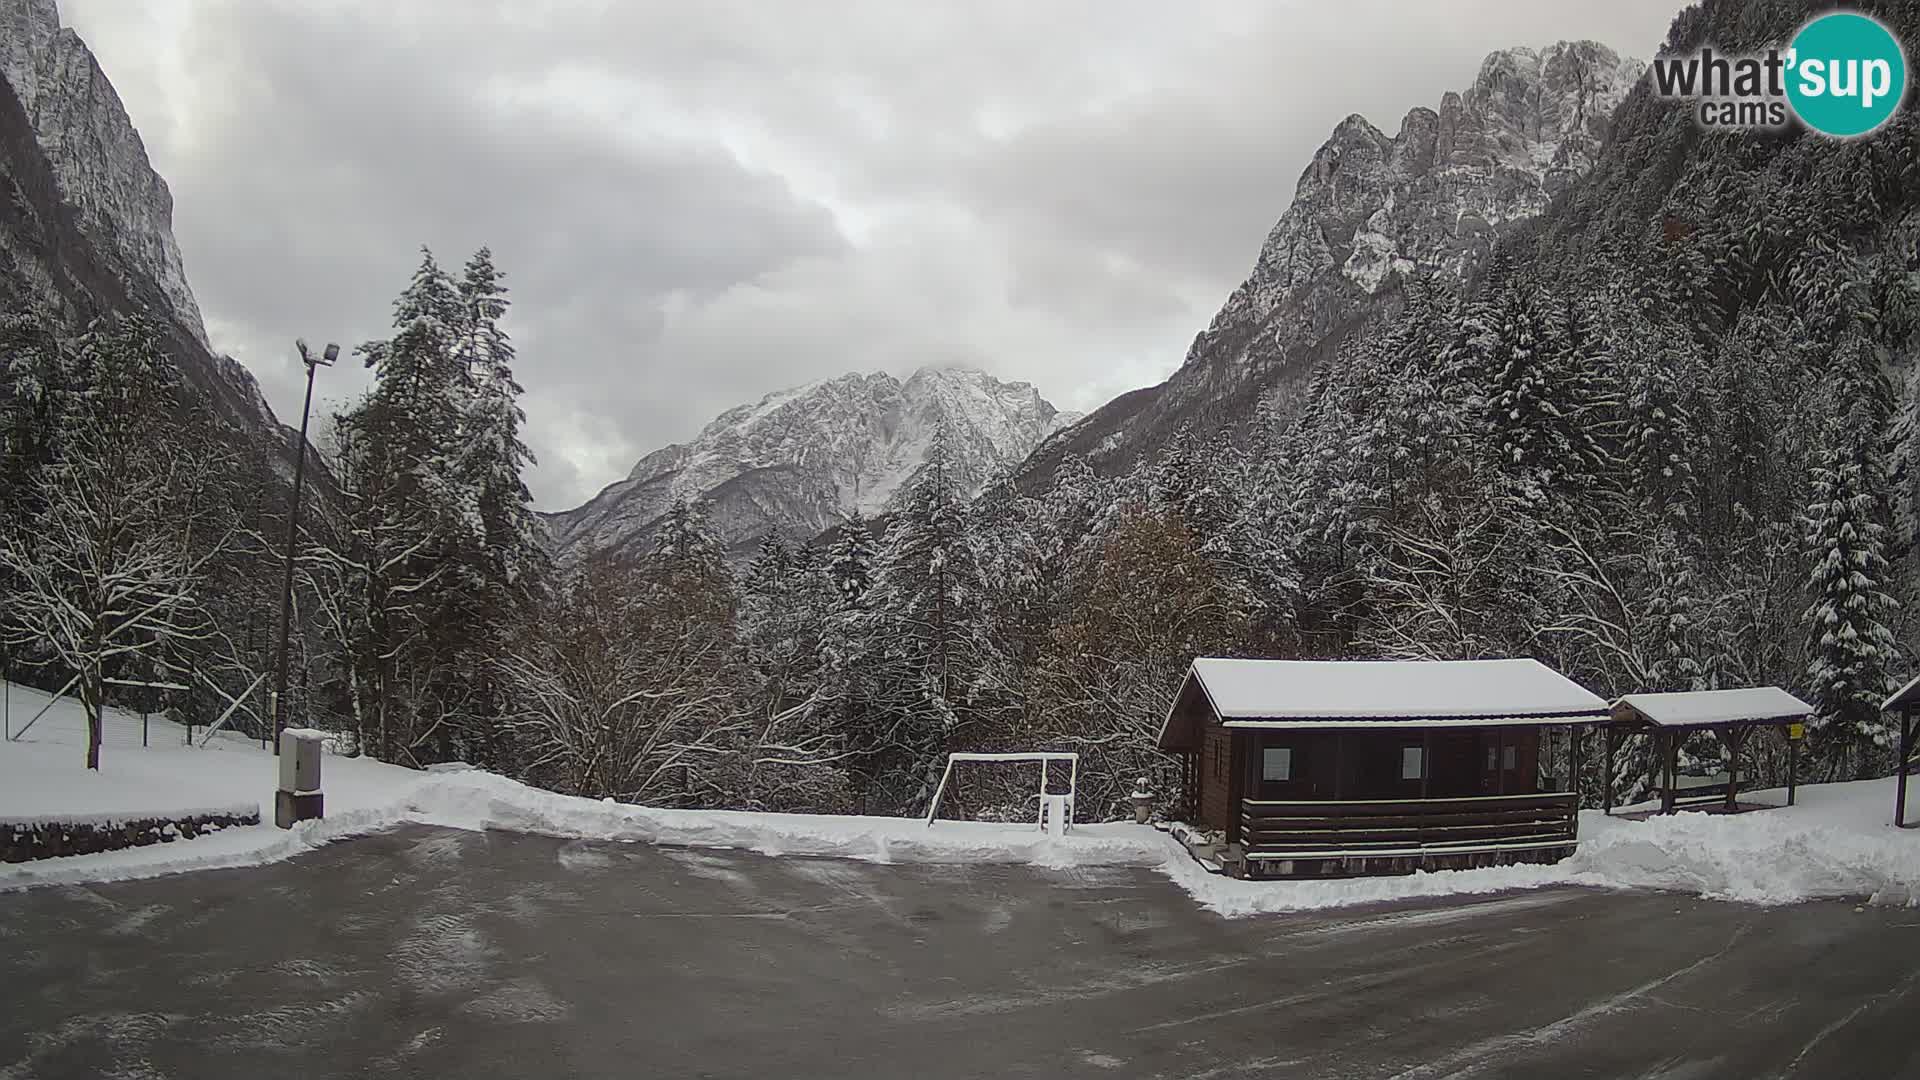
x=850 y=561
x=1852 y=646
x=30 y=359
x=854 y=661
x=1906 y=460
x=1659 y=438
x=787 y=604
x=1428 y=450
x=929 y=599
x=499 y=536
x=687 y=566
x=1518 y=358
x=1195 y=479
x=494 y=456
x=409 y=547
x=784 y=603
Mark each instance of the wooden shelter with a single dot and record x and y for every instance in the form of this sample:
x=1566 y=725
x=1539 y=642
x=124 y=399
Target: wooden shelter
x=1905 y=706
x=1316 y=768
x=1733 y=715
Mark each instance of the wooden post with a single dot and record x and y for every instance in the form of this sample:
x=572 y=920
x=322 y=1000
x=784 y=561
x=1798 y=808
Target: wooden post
x=1606 y=769
x=1735 y=735
x=1671 y=759
x=1907 y=730
x=1793 y=769
x=1573 y=764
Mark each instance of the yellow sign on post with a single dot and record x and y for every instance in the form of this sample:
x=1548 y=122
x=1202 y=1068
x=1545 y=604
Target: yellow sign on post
x=1796 y=731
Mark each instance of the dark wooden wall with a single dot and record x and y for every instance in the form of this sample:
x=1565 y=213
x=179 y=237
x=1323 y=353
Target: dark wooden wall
x=1217 y=810
x=1366 y=765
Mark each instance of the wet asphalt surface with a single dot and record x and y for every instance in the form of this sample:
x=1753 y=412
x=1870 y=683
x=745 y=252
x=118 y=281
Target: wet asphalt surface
x=434 y=953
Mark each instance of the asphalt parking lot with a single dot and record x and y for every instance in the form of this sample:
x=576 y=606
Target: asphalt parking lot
x=427 y=953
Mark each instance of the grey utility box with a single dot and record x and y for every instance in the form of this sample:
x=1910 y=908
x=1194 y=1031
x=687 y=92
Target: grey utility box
x=298 y=797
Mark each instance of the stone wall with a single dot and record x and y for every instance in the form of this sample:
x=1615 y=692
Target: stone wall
x=22 y=841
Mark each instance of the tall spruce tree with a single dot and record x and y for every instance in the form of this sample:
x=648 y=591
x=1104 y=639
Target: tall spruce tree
x=412 y=548
x=1852 y=646
x=494 y=456
x=929 y=596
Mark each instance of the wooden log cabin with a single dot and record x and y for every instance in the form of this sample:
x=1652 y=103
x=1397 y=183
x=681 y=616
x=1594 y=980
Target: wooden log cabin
x=1334 y=768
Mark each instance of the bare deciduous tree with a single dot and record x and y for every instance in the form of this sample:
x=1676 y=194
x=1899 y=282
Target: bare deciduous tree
x=111 y=566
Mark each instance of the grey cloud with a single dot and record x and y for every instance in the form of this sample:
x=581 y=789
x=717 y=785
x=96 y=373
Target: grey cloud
x=699 y=204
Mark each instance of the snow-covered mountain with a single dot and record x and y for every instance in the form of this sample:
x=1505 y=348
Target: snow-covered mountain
x=1370 y=209
x=798 y=461
x=98 y=160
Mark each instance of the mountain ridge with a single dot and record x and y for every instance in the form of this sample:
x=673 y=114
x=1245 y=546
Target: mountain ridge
x=1367 y=211
x=74 y=164
x=799 y=460
x=98 y=157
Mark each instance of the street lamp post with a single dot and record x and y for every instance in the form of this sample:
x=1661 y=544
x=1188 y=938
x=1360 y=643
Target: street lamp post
x=313 y=362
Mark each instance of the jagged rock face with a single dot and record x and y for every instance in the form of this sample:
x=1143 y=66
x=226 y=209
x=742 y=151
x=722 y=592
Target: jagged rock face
x=97 y=156
x=1369 y=210
x=60 y=257
x=798 y=461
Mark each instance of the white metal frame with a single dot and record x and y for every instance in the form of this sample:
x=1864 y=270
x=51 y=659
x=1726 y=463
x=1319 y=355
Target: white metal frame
x=1042 y=756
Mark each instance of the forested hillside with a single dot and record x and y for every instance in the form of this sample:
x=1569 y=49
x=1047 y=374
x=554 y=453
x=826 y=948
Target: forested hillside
x=1665 y=440
x=1665 y=437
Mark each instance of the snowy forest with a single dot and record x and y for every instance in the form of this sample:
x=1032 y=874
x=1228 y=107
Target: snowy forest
x=1665 y=437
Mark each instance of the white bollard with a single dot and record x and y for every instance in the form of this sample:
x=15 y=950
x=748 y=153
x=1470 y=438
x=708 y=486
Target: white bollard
x=1054 y=812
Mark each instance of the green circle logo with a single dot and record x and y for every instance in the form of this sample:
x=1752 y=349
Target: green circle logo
x=1847 y=74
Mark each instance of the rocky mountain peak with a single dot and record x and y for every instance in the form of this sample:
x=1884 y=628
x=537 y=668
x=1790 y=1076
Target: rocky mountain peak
x=1369 y=210
x=97 y=157
x=799 y=460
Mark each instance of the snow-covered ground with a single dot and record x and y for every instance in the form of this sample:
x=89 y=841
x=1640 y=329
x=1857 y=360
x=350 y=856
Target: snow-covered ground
x=1836 y=843
x=43 y=775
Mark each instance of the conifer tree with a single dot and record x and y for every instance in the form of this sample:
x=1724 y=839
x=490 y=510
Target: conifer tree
x=850 y=562
x=1852 y=645
x=928 y=597
x=413 y=549
x=1660 y=440
x=495 y=457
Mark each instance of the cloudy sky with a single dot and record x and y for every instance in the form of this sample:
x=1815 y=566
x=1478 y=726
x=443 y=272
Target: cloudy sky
x=697 y=204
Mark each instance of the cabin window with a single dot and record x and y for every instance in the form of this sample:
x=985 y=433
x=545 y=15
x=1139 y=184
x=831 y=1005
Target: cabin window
x=1491 y=759
x=1413 y=762
x=1276 y=763
x=1512 y=760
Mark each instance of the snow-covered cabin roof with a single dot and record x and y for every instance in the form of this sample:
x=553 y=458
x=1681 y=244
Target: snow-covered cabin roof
x=1704 y=708
x=1372 y=693
x=1907 y=697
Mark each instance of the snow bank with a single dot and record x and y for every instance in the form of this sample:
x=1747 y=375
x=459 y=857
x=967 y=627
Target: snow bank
x=479 y=800
x=1837 y=843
